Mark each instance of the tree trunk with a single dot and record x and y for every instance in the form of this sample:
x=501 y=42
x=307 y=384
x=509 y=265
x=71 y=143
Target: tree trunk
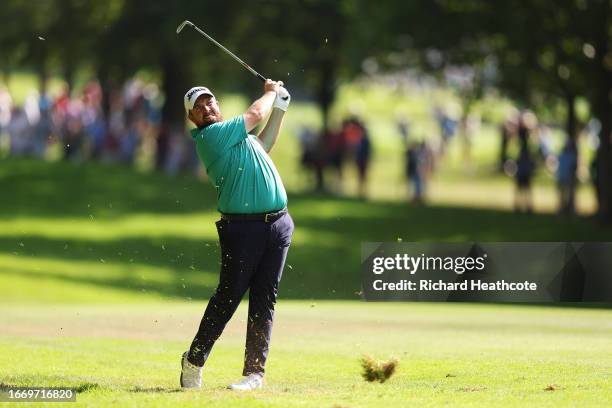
x=570 y=124
x=325 y=97
x=326 y=93
x=604 y=167
x=43 y=76
x=602 y=109
x=570 y=127
x=69 y=77
x=175 y=82
x=103 y=78
x=40 y=57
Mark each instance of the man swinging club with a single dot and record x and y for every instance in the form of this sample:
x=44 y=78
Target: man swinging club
x=255 y=228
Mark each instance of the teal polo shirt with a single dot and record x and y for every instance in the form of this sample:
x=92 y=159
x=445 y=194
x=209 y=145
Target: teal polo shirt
x=243 y=174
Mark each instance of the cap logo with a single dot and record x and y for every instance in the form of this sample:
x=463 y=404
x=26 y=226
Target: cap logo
x=190 y=94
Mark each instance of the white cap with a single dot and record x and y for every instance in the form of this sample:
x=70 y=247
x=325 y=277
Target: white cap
x=192 y=96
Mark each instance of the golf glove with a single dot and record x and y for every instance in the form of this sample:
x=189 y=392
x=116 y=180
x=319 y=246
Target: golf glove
x=282 y=99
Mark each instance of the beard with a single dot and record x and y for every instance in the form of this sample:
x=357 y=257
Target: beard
x=209 y=120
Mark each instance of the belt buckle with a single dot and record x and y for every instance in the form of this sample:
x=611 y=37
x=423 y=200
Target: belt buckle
x=266 y=218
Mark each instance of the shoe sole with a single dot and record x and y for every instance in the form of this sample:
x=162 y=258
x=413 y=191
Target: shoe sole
x=230 y=387
x=244 y=390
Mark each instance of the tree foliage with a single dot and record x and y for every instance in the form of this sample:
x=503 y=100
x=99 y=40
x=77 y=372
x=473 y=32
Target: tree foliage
x=540 y=49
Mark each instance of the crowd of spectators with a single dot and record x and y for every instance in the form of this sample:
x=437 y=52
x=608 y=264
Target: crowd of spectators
x=126 y=128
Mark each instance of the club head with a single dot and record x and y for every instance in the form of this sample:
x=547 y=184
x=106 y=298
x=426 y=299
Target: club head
x=182 y=25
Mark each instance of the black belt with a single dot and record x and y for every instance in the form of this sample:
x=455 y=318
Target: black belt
x=265 y=217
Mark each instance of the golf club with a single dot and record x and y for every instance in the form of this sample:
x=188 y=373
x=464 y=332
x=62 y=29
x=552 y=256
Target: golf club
x=244 y=64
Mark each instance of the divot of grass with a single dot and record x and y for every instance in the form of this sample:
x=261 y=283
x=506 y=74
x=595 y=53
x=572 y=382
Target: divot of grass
x=374 y=370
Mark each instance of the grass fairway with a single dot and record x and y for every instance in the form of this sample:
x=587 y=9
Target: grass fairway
x=75 y=233
x=105 y=273
x=468 y=355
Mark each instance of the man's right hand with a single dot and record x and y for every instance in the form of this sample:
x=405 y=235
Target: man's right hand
x=262 y=106
x=272 y=86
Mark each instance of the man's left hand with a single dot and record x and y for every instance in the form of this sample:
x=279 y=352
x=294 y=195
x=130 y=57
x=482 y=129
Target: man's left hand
x=282 y=99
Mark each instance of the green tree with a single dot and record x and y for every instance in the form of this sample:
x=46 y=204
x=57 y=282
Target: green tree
x=311 y=45
x=54 y=35
x=543 y=49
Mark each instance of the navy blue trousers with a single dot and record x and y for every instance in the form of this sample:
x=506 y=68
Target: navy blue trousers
x=253 y=255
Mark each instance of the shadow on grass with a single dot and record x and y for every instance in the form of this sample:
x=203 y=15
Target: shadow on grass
x=183 y=266
x=39 y=188
x=323 y=263
x=58 y=382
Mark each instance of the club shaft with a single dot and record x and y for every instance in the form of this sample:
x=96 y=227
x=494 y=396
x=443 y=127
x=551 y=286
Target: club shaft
x=231 y=54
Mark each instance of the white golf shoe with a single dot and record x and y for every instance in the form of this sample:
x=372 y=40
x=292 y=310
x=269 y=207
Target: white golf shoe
x=248 y=383
x=191 y=375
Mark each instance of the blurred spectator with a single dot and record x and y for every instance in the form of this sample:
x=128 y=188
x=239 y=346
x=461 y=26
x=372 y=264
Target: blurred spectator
x=524 y=165
x=363 y=153
x=129 y=141
x=116 y=125
x=153 y=104
x=357 y=144
x=162 y=147
x=507 y=132
x=592 y=130
x=59 y=113
x=524 y=173
x=6 y=105
x=93 y=119
x=89 y=129
x=335 y=154
x=447 y=126
x=308 y=147
x=20 y=133
x=419 y=164
x=177 y=152
x=412 y=172
x=72 y=133
x=545 y=142
x=31 y=108
x=403 y=126
x=566 y=177
x=44 y=127
x=470 y=126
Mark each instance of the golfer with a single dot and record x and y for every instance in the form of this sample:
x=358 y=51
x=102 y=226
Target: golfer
x=255 y=228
